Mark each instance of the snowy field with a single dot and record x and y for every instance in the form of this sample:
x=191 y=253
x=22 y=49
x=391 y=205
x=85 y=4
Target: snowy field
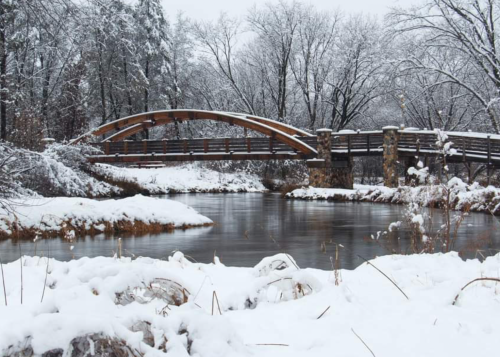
x=71 y=215
x=187 y=178
x=478 y=198
x=149 y=307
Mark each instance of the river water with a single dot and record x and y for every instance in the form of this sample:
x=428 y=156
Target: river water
x=250 y=226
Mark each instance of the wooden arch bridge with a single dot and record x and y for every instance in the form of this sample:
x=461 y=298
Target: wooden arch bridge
x=326 y=152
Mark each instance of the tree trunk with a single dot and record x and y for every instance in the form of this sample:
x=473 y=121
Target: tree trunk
x=3 y=84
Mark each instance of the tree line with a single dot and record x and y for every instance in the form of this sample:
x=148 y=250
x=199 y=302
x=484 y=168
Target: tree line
x=67 y=66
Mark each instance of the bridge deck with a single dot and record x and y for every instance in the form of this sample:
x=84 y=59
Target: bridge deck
x=469 y=148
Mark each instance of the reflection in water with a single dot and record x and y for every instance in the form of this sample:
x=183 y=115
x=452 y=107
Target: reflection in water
x=252 y=226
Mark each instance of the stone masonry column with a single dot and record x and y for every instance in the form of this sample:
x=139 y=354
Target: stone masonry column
x=328 y=172
x=391 y=138
x=319 y=168
x=341 y=175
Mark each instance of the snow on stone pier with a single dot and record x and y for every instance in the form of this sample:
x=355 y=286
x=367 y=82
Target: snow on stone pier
x=148 y=307
x=79 y=216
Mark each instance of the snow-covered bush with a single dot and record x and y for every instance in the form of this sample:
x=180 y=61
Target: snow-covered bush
x=283 y=280
x=60 y=170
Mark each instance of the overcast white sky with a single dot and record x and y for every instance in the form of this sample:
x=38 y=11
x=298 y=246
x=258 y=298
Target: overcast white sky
x=210 y=9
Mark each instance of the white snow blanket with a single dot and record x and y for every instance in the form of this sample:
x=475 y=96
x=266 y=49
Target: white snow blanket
x=275 y=309
x=50 y=214
x=187 y=178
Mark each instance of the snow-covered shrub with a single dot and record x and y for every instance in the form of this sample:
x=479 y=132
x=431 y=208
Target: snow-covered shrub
x=169 y=291
x=282 y=279
x=11 y=166
x=60 y=170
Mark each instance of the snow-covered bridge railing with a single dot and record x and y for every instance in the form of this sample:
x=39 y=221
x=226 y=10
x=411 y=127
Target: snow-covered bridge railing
x=197 y=150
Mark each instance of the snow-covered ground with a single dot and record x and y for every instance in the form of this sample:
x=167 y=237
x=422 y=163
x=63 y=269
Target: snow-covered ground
x=475 y=197
x=65 y=215
x=187 y=178
x=275 y=309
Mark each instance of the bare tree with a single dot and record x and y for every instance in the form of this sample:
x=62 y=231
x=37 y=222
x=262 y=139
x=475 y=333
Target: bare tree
x=314 y=57
x=468 y=27
x=218 y=41
x=276 y=28
x=359 y=66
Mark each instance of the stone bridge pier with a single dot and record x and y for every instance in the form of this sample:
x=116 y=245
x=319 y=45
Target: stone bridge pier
x=327 y=170
x=331 y=171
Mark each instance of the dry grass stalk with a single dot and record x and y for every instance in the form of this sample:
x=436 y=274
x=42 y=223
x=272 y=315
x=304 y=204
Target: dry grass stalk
x=21 y=261
x=3 y=282
x=272 y=344
x=45 y=282
x=471 y=282
x=119 y=248
x=337 y=266
x=381 y=272
x=215 y=298
x=369 y=349
x=324 y=312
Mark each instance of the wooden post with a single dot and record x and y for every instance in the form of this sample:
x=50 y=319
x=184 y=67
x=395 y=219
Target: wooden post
x=226 y=142
x=164 y=144
x=106 y=148
x=271 y=142
x=185 y=146
x=125 y=147
x=205 y=145
x=368 y=143
x=489 y=160
x=145 y=146
x=249 y=145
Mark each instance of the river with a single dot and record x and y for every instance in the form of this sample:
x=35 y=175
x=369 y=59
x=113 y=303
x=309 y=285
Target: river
x=250 y=226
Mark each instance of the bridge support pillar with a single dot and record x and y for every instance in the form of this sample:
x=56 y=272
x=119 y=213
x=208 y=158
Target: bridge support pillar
x=391 y=138
x=328 y=172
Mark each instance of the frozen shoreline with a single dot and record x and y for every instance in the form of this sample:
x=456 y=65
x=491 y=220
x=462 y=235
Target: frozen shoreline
x=273 y=309
x=463 y=197
x=186 y=178
x=71 y=216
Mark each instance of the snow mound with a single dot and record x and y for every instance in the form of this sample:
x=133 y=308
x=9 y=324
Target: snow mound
x=50 y=216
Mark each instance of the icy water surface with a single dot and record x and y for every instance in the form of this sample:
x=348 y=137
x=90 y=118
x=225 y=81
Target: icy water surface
x=252 y=226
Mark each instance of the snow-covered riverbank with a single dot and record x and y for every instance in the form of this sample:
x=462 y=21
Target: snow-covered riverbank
x=79 y=216
x=186 y=178
x=462 y=196
x=275 y=309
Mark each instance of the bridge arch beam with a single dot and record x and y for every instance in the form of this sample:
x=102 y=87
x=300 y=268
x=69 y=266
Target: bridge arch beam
x=137 y=123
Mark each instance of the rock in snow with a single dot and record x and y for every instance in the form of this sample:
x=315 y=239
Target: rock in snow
x=148 y=307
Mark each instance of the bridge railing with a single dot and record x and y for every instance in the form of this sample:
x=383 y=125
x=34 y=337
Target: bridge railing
x=187 y=146
x=469 y=147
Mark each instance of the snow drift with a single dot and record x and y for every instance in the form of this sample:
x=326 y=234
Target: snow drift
x=225 y=311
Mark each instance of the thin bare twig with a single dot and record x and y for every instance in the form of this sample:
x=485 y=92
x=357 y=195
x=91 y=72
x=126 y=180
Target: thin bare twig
x=381 y=272
x=21 y=260
x=3 y=281
x=324 y=312
x=369 y=349
x=471 y=282
x=215 y=298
